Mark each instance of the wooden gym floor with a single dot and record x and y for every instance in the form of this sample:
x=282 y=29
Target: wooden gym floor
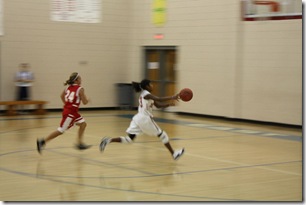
x=223 y=161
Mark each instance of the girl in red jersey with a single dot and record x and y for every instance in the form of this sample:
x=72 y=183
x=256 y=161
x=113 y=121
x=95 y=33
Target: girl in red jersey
x=72 y=97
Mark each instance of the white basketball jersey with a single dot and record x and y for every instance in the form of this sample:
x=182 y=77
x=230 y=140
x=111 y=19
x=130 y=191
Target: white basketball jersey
x=145 y=106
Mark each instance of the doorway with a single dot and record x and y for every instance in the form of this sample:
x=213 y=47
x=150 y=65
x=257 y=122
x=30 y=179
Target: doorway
x=159 y=67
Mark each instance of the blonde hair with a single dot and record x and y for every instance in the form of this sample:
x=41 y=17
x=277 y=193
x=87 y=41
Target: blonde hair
x=73 y=77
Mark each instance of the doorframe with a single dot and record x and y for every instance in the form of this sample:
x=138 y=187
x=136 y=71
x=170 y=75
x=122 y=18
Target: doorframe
x=161 y=62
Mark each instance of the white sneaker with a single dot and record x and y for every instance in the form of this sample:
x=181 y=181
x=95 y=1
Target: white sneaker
x=103 y=143
x=178 y=153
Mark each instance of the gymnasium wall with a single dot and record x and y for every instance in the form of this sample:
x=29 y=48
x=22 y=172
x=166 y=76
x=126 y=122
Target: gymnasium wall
x=237 y=69
x=98 y=51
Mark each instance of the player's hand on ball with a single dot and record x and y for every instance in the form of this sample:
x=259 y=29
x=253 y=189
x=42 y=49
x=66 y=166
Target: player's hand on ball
x=176 y=97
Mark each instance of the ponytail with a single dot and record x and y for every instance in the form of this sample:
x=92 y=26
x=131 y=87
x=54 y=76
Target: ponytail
x=141 y=86
x=73 y=77
x=136 y=86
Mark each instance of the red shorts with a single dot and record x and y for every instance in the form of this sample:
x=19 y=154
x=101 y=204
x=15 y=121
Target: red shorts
x=69 y=119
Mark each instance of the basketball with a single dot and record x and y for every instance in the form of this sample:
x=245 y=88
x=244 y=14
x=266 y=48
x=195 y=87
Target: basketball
x=186 y=94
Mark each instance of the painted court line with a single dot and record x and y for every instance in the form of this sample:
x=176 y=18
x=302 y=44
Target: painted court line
x=228 y=129
x=231 y=162
x=243 y=164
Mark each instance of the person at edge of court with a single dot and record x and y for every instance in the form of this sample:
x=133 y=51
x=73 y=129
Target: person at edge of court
x=24 y=79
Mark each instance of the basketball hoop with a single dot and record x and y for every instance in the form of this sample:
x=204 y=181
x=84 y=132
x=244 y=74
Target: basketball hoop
x=275 y=7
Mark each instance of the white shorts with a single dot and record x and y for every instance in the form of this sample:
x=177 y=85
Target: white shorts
x=142 y=124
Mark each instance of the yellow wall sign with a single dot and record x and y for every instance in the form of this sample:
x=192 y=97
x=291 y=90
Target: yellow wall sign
x=159 y=12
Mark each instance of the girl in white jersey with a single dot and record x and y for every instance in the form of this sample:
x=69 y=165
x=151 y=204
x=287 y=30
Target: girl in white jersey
x=143 y=122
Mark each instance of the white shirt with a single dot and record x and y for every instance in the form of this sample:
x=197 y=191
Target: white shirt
x=145 y=107
x=24 y=75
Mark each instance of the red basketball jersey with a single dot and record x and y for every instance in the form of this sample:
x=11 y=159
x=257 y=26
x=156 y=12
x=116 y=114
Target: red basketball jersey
x=72 y=98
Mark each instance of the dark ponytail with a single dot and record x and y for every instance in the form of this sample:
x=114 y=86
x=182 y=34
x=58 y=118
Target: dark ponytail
x=136 y=86
x=72 y=78
x=141 y=86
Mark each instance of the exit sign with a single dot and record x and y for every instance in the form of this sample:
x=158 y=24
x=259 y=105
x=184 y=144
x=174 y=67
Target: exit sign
x=159 y=36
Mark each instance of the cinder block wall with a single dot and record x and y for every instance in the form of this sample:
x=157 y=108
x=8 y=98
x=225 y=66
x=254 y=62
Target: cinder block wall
x=237 y=69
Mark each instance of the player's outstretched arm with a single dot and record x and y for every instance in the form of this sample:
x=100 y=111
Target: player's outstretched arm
x=161 y=99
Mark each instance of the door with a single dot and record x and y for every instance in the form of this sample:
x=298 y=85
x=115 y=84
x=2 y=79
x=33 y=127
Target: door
x=160 y=69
